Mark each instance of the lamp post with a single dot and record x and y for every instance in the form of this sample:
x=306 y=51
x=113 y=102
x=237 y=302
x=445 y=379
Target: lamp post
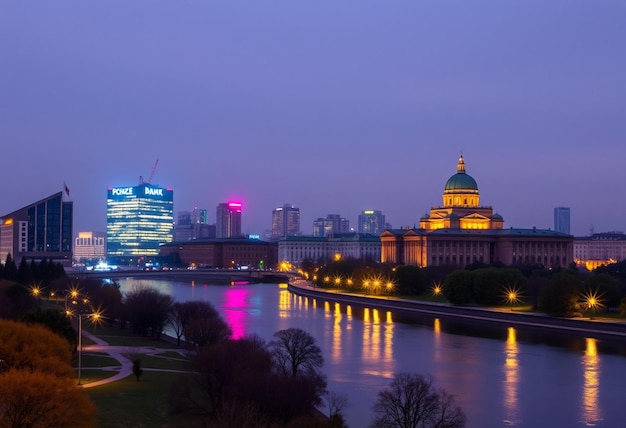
x=83 y=309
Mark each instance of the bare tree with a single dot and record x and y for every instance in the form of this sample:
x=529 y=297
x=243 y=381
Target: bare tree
x=411 y=401
x=296 y=352
x=336 y=403
x=186 y=312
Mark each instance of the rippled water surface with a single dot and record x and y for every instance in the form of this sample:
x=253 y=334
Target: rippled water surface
x=500 y=376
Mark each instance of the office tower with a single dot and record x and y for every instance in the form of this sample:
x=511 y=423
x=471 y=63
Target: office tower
x=139 y=220
x=561 y=220
x=90 y=247
x=200 y=216
x=371 y=221
x=39 y=230
x=228 y=220
x=183 y=228
x=285 y=222
x=333 y=223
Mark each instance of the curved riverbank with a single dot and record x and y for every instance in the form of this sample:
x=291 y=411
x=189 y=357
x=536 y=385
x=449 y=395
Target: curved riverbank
x=593 y=328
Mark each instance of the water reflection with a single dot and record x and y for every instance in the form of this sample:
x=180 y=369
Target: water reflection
x=236 y=310
x=511 y=378
x=591 y=412
x=336 y=346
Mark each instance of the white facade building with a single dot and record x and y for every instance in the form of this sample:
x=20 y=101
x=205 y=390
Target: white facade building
x=360 y=246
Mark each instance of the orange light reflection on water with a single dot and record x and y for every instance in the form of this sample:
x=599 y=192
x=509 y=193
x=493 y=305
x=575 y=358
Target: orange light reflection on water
x=511 y=378
x=591 y=412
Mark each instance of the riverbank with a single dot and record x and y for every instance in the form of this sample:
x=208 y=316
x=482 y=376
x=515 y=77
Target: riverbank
x=587 y=327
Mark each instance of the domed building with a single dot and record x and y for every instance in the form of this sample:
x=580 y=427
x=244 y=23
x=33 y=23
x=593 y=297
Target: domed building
x=461 y=206
x=461 y=232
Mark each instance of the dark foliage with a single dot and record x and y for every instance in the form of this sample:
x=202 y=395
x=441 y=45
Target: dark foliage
x=148 y=311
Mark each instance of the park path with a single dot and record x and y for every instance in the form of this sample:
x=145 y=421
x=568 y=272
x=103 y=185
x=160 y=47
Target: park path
x=119 y=353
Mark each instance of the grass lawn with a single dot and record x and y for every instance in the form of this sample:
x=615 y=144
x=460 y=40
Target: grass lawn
x=129 y=404
x=116 y=336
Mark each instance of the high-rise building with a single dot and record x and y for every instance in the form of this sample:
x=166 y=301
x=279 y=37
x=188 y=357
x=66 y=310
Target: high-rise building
x=285 y=222
x=333 y=223
x=371 y=221
x=200 y=216
x=228 y=220
x=139 y=220
x=40 y=230
x=90 y=247
x=561 y=219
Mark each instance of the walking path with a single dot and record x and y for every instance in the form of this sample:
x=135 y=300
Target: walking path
x=120 y=354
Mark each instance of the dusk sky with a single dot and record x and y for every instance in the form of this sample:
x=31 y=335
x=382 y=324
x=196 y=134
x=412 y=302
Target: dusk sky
x=332 y=106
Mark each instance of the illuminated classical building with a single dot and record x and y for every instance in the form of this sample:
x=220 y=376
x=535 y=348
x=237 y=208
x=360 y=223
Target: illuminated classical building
x=139 y=220
x=462 y=231
x=600 y=249
x=37 y=231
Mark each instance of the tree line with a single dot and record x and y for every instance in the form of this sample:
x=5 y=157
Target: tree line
x=560 y=292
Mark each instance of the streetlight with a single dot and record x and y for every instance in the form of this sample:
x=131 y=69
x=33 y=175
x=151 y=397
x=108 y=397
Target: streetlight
x=592 y=301
x=83 y=310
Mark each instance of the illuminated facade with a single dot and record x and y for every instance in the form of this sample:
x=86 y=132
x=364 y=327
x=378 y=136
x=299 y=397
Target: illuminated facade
x=37 y=231
x=90 y=246
x=228 y=220
x=462 y=232
x=600 y=249
x=285 y=222
x=360 y=246
x=139 y=220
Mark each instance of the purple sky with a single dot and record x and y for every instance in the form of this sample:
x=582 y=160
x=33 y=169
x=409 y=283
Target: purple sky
x=333 y=106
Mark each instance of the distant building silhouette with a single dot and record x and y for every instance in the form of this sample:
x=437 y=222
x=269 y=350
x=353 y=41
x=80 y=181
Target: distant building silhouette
x=562 y=220
x=333 y=223
x=285 y=222
x=371 y=221
x=193 y=225
x=228 y=220
x=40 y=230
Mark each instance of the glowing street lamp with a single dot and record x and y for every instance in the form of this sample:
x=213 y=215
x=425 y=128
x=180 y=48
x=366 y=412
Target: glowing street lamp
x=512 y=295
x=436 y=289
x=592 y=301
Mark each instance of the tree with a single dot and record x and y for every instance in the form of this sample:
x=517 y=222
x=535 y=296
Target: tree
x=54 y=320
x=296 y=352
x=412 y=401
x=560 y=297
x=186 y=312
x=34 y=348
x=408 y=280
x=38 y=400
x=458 y=287
x=148 y=311
x=207 y=331
x=336 y=403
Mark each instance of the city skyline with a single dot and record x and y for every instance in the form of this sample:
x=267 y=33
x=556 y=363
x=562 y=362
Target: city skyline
x=336 y=108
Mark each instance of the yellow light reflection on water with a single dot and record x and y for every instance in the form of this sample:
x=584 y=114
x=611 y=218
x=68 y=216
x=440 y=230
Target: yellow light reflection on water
x=437 y=326
x=511 y=378
x=336 y=348
x=591 y=412
x=284 y=303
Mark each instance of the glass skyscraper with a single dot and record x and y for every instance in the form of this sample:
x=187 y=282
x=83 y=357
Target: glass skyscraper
x=139 y=220
x=37 y=231
x=371 y=221
x=561 y=220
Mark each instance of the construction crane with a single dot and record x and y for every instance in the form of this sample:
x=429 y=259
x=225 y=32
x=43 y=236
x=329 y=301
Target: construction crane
x=149 y=180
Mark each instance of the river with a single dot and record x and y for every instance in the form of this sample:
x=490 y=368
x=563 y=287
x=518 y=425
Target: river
x=501 y=376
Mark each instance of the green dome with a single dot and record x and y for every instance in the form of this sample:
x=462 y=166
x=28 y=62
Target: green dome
x=461 y=180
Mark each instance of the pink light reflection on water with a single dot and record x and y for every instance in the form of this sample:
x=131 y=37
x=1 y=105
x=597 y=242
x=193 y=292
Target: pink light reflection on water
x=235 y=310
